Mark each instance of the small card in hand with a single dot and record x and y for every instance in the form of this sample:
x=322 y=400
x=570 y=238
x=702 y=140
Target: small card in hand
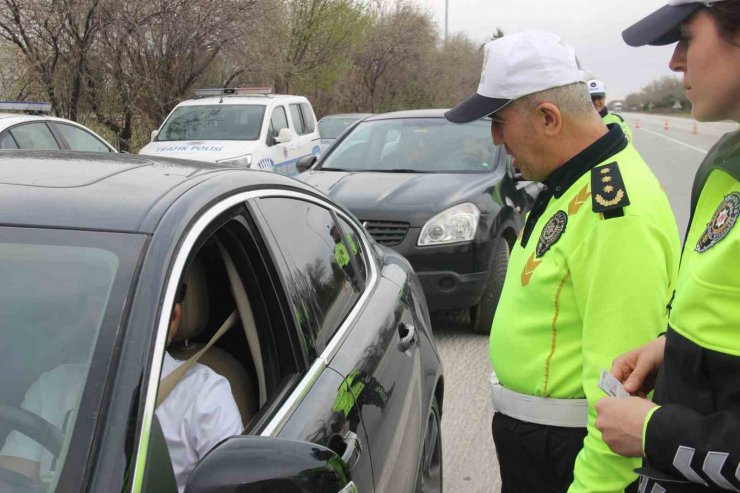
x=609 y=384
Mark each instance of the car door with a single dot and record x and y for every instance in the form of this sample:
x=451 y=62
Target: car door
x=282 y=154
x=304 y=124
x=325 y=296
x=381 y=351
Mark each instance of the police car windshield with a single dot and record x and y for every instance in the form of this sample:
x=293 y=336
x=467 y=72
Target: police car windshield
x=424 y=145
x=213 y=122
x=61 y=302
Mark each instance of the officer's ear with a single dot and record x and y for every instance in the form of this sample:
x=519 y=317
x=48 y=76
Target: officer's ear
x=549 y=119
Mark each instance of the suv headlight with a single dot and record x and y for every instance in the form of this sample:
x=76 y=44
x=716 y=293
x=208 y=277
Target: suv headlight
x=245 y=161
x=456 y=224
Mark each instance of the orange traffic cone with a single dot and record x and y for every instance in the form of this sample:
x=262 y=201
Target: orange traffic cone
x=637 y=124
x=665 y=126
x=693 y=129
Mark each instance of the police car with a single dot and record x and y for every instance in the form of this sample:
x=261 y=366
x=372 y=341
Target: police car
x=245 y=127
x=35 y=129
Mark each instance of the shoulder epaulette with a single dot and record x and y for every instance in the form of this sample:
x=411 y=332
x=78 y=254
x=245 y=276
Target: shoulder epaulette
x=618 y=116
x=608 y=193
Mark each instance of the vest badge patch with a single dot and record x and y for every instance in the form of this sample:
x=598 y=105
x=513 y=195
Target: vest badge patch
x=722 y=221
x=552 y=232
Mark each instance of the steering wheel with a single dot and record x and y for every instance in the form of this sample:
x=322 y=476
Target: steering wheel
x=46 y=434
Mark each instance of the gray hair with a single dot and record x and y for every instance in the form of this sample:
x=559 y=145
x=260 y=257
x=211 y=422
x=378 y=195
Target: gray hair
x=572 y=99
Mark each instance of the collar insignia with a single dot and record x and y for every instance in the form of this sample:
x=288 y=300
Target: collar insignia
x=552 y=232
x=721 y=223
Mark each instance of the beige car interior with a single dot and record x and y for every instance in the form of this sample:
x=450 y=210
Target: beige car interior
x=249 y=396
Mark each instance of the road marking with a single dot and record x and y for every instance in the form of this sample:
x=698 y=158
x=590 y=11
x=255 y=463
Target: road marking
x=676 y=141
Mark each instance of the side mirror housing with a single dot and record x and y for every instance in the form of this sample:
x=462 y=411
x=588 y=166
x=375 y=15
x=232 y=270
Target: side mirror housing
x=305 y=163
x=253 y=464
x=154 y=134
x=284 y=135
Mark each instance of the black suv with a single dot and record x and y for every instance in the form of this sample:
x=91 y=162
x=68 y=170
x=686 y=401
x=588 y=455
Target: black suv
x=440 y=194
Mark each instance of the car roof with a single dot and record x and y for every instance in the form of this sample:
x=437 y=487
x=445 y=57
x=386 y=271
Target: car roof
x=114 y=192
x=233 y=100
x=344 y=115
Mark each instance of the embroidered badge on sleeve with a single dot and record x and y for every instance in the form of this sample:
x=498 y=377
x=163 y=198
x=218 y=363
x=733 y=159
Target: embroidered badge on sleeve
x=722 y=221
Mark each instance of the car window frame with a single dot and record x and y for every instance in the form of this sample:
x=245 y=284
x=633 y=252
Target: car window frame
x=297 y=117
x=310 y=124
x=276 y=419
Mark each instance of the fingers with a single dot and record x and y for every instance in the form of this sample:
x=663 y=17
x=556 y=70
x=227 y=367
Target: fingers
x=636 y=379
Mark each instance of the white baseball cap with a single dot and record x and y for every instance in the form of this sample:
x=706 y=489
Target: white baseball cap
x=517 y=65
x=663 y=26
x=596 y=88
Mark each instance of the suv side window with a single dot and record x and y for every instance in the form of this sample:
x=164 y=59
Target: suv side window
x=296 y=115
x=321 y=267
x=34 y=136
x=308 y=118
x=80 y=140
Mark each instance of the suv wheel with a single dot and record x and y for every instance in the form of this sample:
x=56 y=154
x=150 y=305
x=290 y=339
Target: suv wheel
x=482 y=313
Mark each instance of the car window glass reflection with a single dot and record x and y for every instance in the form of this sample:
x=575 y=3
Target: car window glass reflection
x=34 y=136
x=323 y=271
x=80 y=140
x=7 y=142
x=423 y=145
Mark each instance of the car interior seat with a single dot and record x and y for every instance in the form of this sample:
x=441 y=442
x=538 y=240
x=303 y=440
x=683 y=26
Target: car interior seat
x=194 y=320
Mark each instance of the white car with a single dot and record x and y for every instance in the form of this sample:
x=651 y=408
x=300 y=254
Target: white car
x=44 y=133
x=239 y=127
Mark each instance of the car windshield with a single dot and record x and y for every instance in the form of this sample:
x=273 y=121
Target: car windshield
x=62 y=295
x=214 y=122
x=422 y=145
x=332 y=127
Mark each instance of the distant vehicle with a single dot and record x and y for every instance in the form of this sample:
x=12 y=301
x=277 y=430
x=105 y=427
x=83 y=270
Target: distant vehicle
x=440 y=194
x=332 y=126
x=39 y=131
x=617 y=106
x=246 y=127
x=323 y=335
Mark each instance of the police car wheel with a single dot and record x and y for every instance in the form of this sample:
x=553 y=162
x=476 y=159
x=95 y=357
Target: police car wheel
x=481 y=315
x=429 y=479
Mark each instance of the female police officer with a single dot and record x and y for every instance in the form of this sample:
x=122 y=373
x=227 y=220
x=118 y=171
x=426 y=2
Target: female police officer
x=691 y=438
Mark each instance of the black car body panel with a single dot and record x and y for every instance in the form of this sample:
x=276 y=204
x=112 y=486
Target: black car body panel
x=157 y=207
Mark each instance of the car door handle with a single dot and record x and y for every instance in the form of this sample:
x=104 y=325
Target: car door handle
x=348 y=447
x=407 y=334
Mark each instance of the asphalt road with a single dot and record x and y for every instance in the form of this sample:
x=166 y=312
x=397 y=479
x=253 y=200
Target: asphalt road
x=469 y=457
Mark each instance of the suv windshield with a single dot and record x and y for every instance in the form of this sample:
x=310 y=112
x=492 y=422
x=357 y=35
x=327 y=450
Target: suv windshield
x=423 y=145
x=214 y=122
x=60 y=305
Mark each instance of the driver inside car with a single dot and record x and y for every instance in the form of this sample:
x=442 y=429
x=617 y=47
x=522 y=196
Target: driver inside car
x=199 y=413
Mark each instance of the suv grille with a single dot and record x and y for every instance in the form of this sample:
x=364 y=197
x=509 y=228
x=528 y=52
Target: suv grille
x=387 y=232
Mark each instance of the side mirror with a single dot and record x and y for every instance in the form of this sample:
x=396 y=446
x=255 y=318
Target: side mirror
x=154 y=134
x=253 y=464
x=305 y=163
x=284 y=135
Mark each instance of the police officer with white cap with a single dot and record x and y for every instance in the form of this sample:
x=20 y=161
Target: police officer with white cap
x=590 y=274
x=598 y=98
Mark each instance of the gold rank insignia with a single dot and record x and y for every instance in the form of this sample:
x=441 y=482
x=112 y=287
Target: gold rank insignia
x=608 y=192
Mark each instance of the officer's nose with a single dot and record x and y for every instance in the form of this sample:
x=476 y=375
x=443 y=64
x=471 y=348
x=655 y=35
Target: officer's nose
x=678 y=60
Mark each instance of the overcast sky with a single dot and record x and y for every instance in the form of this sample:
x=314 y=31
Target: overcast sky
x=592 y=27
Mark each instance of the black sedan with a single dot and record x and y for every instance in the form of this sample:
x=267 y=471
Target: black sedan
x=440 y=194
x=117 y=267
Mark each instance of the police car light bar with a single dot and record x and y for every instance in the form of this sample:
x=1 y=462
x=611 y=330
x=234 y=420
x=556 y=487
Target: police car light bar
x=234 y=91
x=34 y=106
